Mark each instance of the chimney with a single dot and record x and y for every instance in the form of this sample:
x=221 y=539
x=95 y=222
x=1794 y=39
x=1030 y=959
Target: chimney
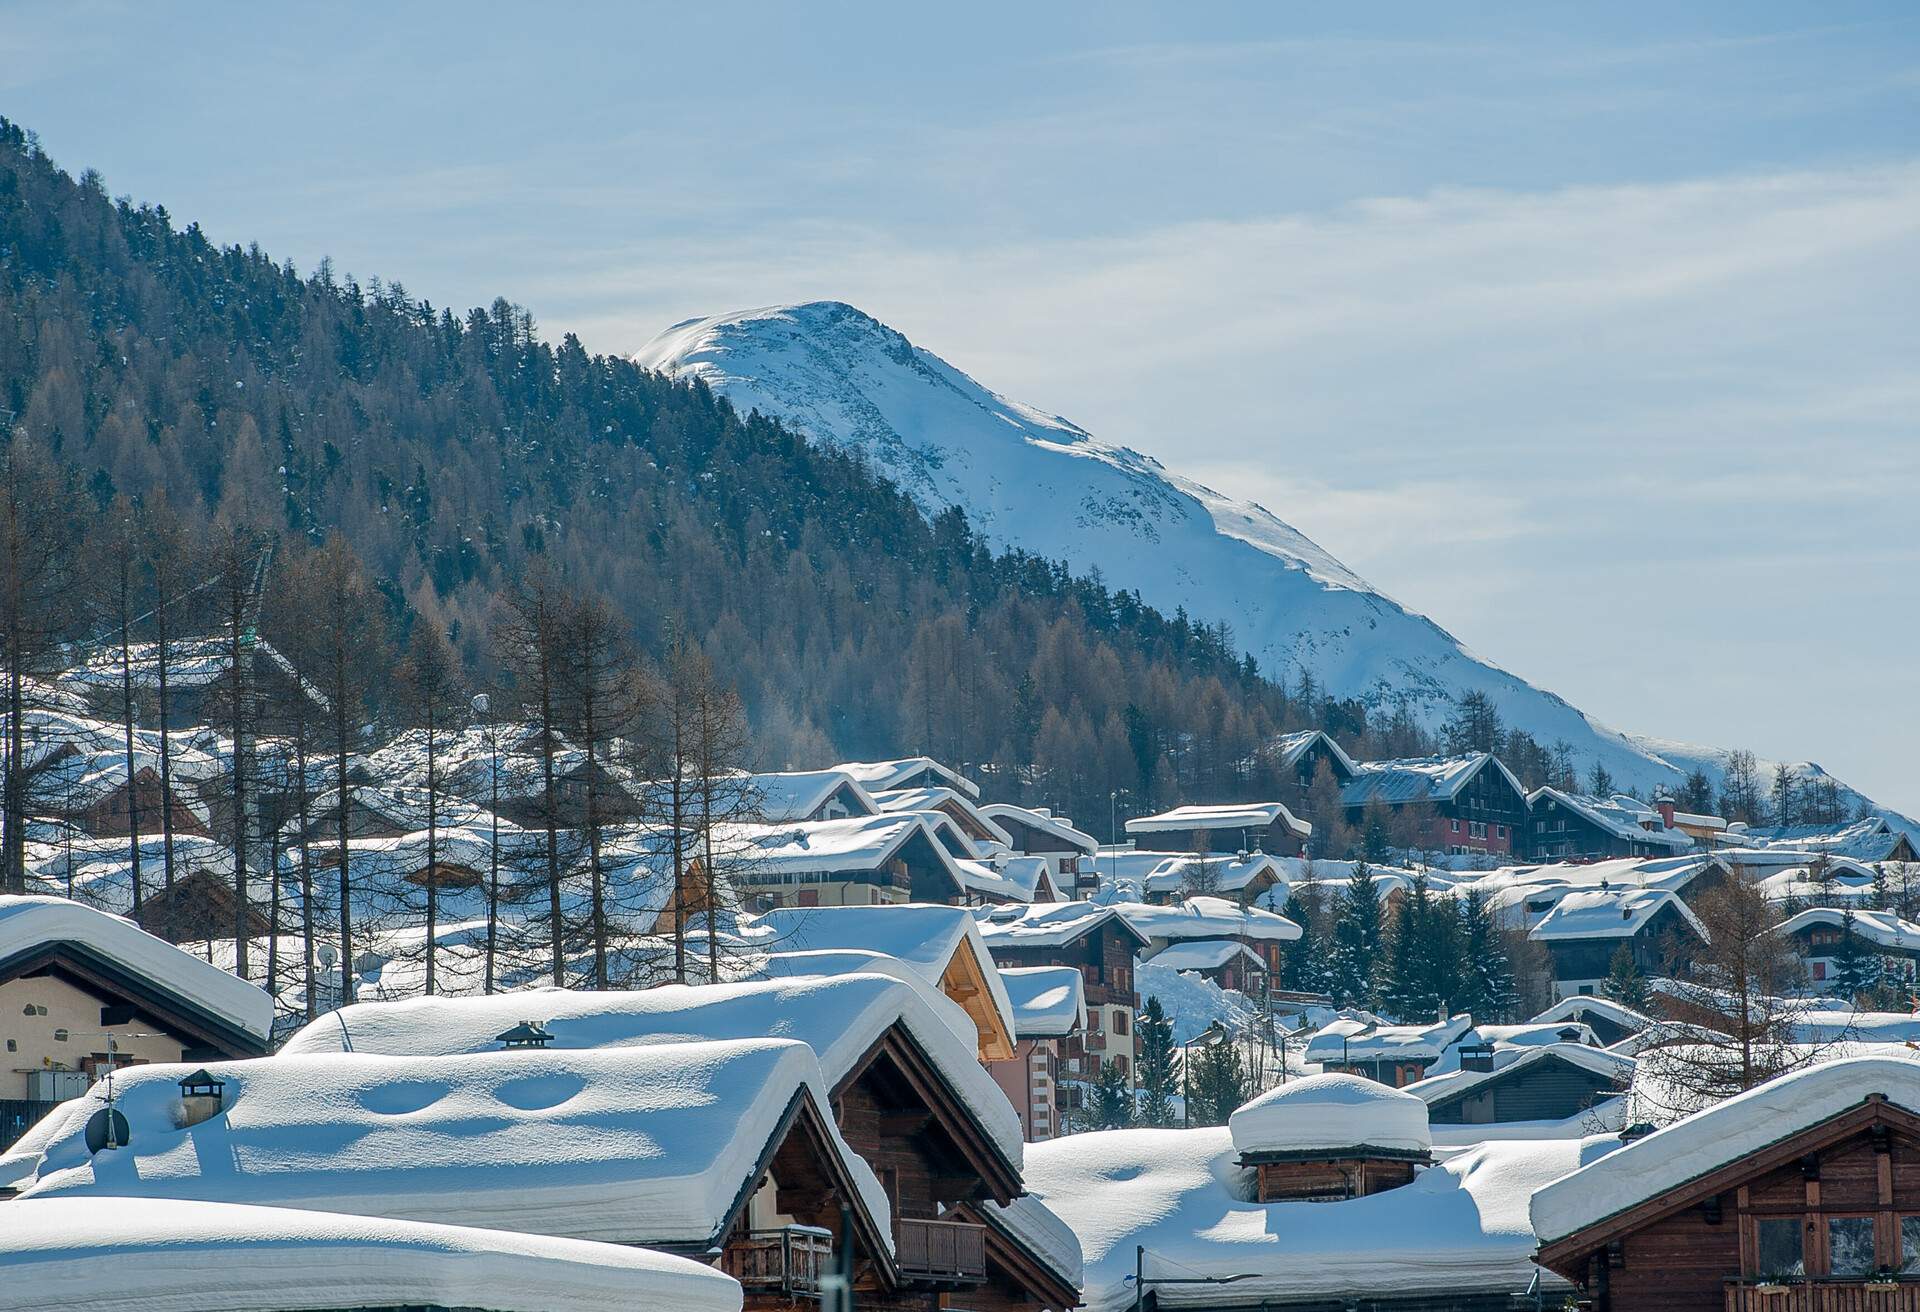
x=202 y=1096
x=1477 y=1057
x=1664 y=805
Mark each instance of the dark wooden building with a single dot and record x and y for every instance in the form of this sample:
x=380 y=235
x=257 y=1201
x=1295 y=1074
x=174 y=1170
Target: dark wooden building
x=1584 y=930
x=1552 y=1083
x=1457 y=804
x=1573 y=827
x=1802 y=1196
x=1099 y=943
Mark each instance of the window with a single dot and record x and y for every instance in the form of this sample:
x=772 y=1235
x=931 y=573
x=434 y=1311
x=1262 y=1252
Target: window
x=1453 y=826
x=1849 y=1245
x=1119 y=1022
x=1910 y=1245
x=1819 y=970
x=1539 y=826
x=1779 y=1241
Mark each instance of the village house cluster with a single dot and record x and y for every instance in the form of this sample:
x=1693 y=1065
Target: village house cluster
x=854 y=1039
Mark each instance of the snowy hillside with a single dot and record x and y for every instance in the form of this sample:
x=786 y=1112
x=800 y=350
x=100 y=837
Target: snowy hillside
x=1037 y=481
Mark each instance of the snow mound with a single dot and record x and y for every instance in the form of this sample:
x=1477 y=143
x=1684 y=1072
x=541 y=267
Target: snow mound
x=77 y=1253
x=1331 y=1111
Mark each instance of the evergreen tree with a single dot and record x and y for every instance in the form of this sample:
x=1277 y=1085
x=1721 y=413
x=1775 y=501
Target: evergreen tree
x=1112 y=1099
x=1157 y=1079
x=1624 y=983
x=1303 y=963
x=1855 y=967
x=1218 y=1083
x=1487 y=985
x=1357 y=940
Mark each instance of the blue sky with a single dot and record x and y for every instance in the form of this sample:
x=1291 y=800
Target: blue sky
x=1587 y=330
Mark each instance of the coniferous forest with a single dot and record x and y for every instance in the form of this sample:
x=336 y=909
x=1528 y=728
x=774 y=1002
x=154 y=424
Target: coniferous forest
x=220 y=400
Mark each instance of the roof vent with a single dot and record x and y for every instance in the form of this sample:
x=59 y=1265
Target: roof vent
x=1638 y=1130
x=202 y=1095
x=1478 y=1057
x=527 y=1034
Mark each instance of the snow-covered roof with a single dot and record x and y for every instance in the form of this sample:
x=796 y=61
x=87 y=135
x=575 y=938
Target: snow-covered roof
x=77 y=1254
x=1455 y=1082
x=880 y=776
x=1458 y=1227
x=1242 y=815
x=1505 y=1040
x=1045 y=821
x=1193 y=1003
x=1609 y=913
x=652 y=1145
x=926 y=936
x=1007 y=879
x=1032 y=1225
x=1419 y=779
x=1580 y=1007
x=941 y=799
x=1290 y=747
x=1043 y=924
x=824 y=846
x=1834 y=881
x=796 y=794
x=1049 y=1002
x=1331 y=1113
x=28 y=923
x=1206 y=917
x=1726 y=1132
x=1204 y=955
x=1227 y=873
x=839 y=1017
x=1882 y=928
x=1625 y=818
x=1867 y=839
x=1357 y=1040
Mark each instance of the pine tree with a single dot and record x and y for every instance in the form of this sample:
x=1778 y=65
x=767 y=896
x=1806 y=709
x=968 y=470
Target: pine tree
x=1218 y=1085
x=1487 y=987
x=1854 y=967
x=1112 y=1099
x=1157 y=1081
x=1357 y=940
x=1624 y=983
x=1303 y=964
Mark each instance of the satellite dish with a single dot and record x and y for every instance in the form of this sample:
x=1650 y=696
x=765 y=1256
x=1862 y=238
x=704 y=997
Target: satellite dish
x=108 y=1128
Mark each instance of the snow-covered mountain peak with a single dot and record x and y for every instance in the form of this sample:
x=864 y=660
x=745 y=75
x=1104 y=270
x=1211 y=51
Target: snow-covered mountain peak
x=1029 y=479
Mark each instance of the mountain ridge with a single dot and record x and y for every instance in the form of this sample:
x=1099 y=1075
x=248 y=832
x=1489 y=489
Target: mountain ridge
x=837 y=375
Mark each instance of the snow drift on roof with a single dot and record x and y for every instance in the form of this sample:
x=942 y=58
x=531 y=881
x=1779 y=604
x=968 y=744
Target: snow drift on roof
x=1334 y=1112
x=1609 y=913
x=1723 y=1133
x=1206 y=917
x=218 y=1257
x=1043 y=924
x=1049 y=1002
x=1458 y=1227
x=838 y=1017
x=1418 y=779
x=27 y=923
x=1241 y=815
x=649 y=1145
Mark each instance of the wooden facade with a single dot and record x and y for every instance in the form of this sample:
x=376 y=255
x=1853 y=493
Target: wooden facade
x=112 y=815
x=1825 y=1220
x=1658 y=946
x=1546 y=1088
x=1104 y=956
x=1330 y=1177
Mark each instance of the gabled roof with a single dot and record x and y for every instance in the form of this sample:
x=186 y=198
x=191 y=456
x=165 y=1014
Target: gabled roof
x=941 y=943
x=120 y=953
x=1045 y=821
x=1290 y=747
x=939 y=799
x=1224 y=873
x=1007 y=879
x=1867 y=839
x=1420 y=779
x=1881 y=928
x=1624 y=818
x=1049 y=1002
x=1450 y=1086
x=1732 y=1132
x=228 y=1257
x=1609 y=913
x=657 y=1145
x=1204 y=918
x=1244 y=815
x=1580 y=1007
x=1047 y=924
x=1204 y=955
x=840 y=1017
x=879 y=776
x=1357 y=1040
x=796 y=794
x=820 y=847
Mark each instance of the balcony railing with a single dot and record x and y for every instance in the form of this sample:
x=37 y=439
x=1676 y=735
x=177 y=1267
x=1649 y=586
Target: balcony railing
x=1824 y=1295
x=952 y=1252
x=1096 y=1040
x=791 y=1259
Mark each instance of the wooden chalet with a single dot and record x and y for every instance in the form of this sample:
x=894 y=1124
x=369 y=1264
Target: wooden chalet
x=1461 y=805
x=1036 y=831
x=197 y=906
x=1330 y=1137
x=70 y=976
x=1610 y=1022
x=792 y=795
x=1569 y=826
x=1245 y=827
x=1099 y=943
x=1802 y=1195
x=1555 y=1082
x=1584 y=931
x=105 y=804
x=858 y=861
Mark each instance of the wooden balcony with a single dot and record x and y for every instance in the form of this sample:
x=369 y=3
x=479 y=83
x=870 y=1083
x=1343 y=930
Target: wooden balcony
x=944 y=1252
x=1824 y=1295
x=789 y=1260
